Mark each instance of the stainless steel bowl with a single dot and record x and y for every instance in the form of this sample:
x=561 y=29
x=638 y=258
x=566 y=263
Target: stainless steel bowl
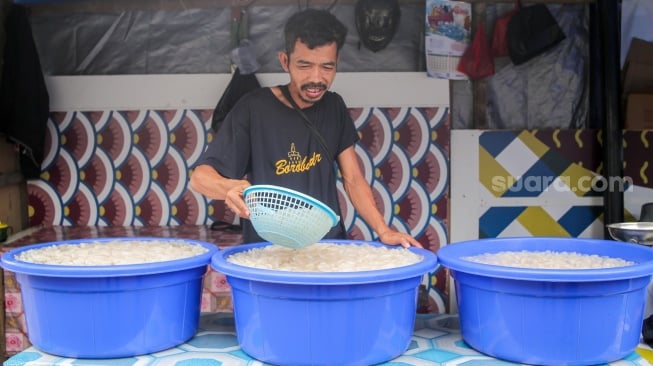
x=632 y=232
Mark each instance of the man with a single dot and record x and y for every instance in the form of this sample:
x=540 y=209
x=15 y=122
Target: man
x=264 y=139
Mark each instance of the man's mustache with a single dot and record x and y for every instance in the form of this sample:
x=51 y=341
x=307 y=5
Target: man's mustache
x=313 y=86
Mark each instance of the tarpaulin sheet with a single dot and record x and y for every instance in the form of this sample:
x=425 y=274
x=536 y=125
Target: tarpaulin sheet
x=180 y=41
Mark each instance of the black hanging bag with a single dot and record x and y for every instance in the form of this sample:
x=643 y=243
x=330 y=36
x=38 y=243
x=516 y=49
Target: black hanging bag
x=532 y=31
x=239 y=85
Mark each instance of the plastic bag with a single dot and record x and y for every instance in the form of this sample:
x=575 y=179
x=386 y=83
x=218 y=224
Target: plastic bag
x=239 y=85
x=244 y=57
x=477 y=61
x=499 y=41
x=532 y=31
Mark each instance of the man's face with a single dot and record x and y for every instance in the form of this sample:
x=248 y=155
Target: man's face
x=311 y=71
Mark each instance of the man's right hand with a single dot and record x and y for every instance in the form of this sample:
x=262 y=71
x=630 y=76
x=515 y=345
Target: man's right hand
x=205 y=180
x=235 y=201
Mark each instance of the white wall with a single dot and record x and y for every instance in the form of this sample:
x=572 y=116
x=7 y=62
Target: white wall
x=202 y=91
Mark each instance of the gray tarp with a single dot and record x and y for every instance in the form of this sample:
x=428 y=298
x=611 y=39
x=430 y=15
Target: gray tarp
x=547 y=92
x=199 y=41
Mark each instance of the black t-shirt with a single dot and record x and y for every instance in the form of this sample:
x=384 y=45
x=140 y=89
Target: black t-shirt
x=269 y=142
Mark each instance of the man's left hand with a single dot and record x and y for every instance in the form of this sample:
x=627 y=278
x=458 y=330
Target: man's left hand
x=393 y=237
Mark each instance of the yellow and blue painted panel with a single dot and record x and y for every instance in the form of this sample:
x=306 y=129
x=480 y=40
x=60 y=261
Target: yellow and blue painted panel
x=550 y=182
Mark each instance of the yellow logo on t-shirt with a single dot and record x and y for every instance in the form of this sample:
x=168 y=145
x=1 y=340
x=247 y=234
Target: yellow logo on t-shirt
x=296 y=163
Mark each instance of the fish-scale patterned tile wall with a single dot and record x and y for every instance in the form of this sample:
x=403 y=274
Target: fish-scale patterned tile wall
x=121 y=168
x=127 y=169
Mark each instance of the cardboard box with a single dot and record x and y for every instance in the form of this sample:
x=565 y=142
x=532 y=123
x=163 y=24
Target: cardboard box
x=638 y=68
x=13 y=188
x=9 y=162
x=638 y=78
x=13 y=206
x=640 y=51
x=639 y=112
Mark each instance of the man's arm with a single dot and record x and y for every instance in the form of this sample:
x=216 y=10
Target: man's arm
x=208 y=182
x=360 y=193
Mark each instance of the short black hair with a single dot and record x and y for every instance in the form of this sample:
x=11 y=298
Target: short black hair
x=314 y=27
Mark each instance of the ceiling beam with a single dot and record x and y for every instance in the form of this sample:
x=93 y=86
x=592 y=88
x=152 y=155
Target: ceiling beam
x=103 y=6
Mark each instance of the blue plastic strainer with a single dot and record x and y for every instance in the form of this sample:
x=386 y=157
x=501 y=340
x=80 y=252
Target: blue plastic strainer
x=286 y=217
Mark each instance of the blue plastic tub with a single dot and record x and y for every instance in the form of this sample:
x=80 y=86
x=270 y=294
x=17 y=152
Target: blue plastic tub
x=545 y=316
x=318 y=318
x=110 y=311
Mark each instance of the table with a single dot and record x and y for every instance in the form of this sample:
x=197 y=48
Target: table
x=436 y=341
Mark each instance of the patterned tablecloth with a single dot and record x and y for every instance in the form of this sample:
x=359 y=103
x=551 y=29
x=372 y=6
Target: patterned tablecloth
x=436 y=341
